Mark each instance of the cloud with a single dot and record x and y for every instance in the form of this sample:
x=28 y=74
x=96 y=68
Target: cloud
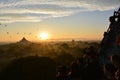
x=38 y=10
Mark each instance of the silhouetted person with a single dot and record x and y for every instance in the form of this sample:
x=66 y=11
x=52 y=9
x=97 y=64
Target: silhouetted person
x=109 y=71
x=62 y=73
x=117 y=74
x=74 y=73
x=115 y=59
x=30 y=68
x=81 y=63
x=111 y=30
x=92 y=71
x=112 y=22
x=119 y=15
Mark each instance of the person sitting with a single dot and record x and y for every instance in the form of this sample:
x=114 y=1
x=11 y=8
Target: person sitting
x=117 y=74
x=115 y=60
x=74 y=73
x=62 y=73
x=109 y=71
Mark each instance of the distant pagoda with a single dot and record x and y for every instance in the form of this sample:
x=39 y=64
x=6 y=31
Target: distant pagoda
x=110 y=44
x=24 y=41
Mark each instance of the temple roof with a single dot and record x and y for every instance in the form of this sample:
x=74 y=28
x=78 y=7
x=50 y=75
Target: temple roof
x=24 y=40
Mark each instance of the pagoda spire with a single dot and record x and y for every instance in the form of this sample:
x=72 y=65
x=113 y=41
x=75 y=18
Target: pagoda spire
x=24 y=41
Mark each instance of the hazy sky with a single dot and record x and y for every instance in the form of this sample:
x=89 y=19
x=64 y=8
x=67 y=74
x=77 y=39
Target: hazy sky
x=61 y=19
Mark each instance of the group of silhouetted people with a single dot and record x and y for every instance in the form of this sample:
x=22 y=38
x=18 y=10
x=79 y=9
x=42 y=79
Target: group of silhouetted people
x=81 y=69
x=112 y=70
x=89 y=68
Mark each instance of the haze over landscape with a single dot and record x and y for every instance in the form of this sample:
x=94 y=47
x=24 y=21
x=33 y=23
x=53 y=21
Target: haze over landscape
x=55 y=19
x=59 y=39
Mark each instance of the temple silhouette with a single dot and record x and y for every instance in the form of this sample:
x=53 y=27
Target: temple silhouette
x=24 y=41
x=110 y=44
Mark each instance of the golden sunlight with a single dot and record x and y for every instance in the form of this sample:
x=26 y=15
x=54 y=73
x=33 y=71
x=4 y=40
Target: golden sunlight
x=44 y=36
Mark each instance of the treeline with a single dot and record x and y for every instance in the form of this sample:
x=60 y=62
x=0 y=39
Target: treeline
x=62 y=52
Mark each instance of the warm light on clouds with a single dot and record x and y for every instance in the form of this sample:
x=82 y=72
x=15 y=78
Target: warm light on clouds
x=86 y=19
x=38 y=10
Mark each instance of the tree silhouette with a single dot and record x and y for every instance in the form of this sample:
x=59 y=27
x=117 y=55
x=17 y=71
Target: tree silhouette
x=30 y=68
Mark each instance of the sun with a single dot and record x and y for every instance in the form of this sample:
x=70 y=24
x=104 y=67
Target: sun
x=44 y=36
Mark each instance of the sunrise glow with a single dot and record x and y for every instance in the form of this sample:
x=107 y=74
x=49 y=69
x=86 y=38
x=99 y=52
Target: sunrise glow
x=44 y=36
